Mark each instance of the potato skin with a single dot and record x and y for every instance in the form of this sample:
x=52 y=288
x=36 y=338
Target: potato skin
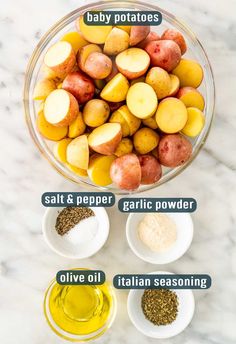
x=138 y=34
x=151 y=170
x=96 y=112
x=126 y=172
x=164 y=53
x=177 y=37
x=152 y=36
x=98 y=65
x=174 y=150
x=145 y=140
x=80 y=85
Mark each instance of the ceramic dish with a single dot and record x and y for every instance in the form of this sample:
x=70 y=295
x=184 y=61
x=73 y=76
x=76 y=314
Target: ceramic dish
x=185 y=313
x=184 y=226
x=75 y=250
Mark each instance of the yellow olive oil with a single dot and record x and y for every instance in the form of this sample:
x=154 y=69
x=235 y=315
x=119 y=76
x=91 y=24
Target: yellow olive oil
x=80 y=309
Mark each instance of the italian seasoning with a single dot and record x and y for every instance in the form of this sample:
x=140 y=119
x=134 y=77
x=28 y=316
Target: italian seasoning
x=160 y=306
x=69 y=217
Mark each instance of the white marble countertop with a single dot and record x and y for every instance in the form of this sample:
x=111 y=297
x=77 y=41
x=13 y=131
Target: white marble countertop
x=27 y=264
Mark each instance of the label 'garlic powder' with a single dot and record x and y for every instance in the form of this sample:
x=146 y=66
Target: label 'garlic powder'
x=157 y=231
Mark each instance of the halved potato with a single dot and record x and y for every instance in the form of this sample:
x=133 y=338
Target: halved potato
x=77 y=127
x=48 y=130
x=138 y=34
x=93 y=33
x=77 y=153
x=175 y=83
x=80 y=171
x=99 y=169
x=60 y=58
x=116 y=41
x=59 y=149
x=43 y=88
x=61 y=108
x=142 y=100
x=132 y=121
x=84 y=53
x=105 y=139
x=117 y=117
x=133 y=62
x=116 y=89
x=195 y=122
x=75 y=39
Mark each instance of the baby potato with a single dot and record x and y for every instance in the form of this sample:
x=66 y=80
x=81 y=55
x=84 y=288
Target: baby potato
x=93 y=33
x=174 y=150
x=145 y=140
x=171 y=115
x=138 y=34
x=125 y=147
x=116 y=89
x=116 y=41
x=191 y=97
x=152 y=36
x=77 y=127
x=99 y=169
x=151 y=170
x=96 y=112
x=84 y=53
x=98 y=65
x=150 y=122
x=177 y=37
x=59 y=149
x=164 y=53
x=126 y=28
x=195 y=122
x=76 y=40
x=160 y=81
x=43 y=88
x=132 y=121
x=48 y=130
x=189 y=72
x=117 y=117
x=80 y=171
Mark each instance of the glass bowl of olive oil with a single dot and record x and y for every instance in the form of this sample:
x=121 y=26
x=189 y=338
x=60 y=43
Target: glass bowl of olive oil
x=79 y=313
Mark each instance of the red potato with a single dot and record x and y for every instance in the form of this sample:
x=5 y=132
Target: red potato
x=126 y=172
x=177 y=37
x=151 y=170
x=138 y=34
x=84 y=52
x=61 y=108
x=98 y=65
x=105 y=138
x=60 y=58
x=80 y=85
x=152 y=36
x=174 y=150
x=164 y=53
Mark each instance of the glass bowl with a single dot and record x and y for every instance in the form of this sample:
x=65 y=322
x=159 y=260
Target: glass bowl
x=76 y=337
x=195 y=51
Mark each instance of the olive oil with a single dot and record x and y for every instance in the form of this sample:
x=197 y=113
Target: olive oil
x=80 y=309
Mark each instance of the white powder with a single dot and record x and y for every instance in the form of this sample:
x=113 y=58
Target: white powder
x=157 y=232
x=83 y=232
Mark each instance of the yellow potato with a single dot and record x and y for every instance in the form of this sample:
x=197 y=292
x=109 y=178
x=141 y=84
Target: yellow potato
x=48 y=130
x=93 y=34
x=125 y=147
x=125 y=28
x=191 y=97
x=81 y=172
x=145 y=140
x=171 y=115
x=59 y=149
x=195 y=122
x=116 y=41
x=77 y=153
x=77 y=127
x=189 y=72
x=117 y=117
x=84 y=53
x=132 y=121
x=43 y=88
x=116 y=89
x=59 y=86
x=150 y=122
x=142 y=100
x=99 y=169
x=75 y=39
x=160 y=81
x=96 y=112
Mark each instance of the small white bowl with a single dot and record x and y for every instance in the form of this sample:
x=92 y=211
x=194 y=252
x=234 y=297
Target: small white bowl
x=184 y=227
x=185 y=313
x=75 y=250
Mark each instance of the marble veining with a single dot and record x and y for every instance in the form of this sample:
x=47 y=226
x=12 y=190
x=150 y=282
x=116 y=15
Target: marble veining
x=27 y=264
